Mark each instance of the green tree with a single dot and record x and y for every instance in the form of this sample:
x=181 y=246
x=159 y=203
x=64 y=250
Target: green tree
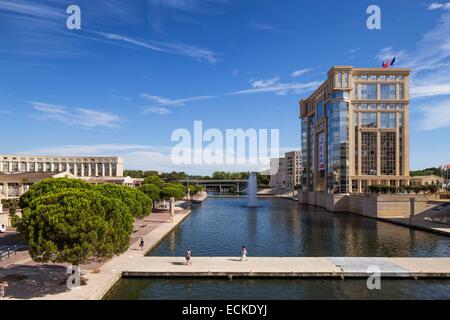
x=172 y=190
x=139 y=204
x=75 y=226
x=51 y=185
x=154 y=180
x=152 y=191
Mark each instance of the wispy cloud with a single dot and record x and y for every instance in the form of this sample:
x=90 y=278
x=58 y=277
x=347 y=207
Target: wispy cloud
x=274 y=85
x=262 y=26
x=389 y=53
x=37 y=26
x=438 y=5
x=298 y=73
x=31 y=9
x=193 y=6
x=197 y=53
x=160 y=111
x=430 y=61
x=161 y=102
x=77 y=117
x=4 y=112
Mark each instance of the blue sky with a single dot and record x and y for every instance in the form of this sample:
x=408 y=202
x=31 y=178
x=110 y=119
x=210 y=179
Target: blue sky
x=138 y=69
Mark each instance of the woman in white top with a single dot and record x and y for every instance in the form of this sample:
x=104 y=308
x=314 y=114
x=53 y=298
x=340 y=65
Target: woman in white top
x=244 y=254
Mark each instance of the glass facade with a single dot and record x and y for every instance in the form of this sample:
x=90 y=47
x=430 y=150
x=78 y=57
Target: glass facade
x=369 y=120
x=388 y=91
x=337 y=140
x=304 y=153
x=387 y=120
x=377 y=137
x=388 y=153
x=369 y=153
x=312 y=135
x=368 y=91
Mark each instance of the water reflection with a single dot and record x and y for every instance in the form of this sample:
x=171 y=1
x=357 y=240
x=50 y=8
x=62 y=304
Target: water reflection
x=284 y=228
x=285 y=289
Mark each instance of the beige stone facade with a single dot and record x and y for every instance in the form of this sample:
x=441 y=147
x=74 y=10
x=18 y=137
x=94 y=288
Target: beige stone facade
x=427 y=181
x=77 y=166
x=289 y=170
x=355 y=131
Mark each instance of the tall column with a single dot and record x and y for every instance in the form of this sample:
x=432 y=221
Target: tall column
x=9 y=166
x=96 y=169
x=89 y=170
x=110 y=170
x=6 y=189
x=103 y=169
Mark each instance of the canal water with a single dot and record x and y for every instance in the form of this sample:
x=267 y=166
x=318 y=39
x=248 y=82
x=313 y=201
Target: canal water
x=278 y=227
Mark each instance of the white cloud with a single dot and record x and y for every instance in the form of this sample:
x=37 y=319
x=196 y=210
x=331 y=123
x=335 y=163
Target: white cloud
x=196 y=53
x=77 y=117
x=264 y=83
x=438 y=5
x=429 y=62
x=4 y=112
x=300 y=72
x=262 y=26
x=31 y=9
x=435 y=115
x=192 y=6
x=389 y=53
x=273 y=85
x=354 y=50
x=165 y=102
x=160 y=111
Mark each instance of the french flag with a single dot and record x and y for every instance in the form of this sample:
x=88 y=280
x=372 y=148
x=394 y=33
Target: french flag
x=388 y=63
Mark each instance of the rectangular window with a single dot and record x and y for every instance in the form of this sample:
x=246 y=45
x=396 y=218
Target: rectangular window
x=388 y=91
x=388 y=153
x=369 y=153
x=387 y=120
x=320 y=111
x=369 y=91
x=369 y=120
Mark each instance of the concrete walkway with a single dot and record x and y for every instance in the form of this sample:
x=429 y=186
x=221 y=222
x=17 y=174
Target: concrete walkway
x=287 y=267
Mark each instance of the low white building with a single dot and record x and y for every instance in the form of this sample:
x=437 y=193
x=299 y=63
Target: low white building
x=77 y=166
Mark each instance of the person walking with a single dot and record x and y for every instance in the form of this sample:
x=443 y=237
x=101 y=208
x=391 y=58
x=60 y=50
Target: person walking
x=3 y=286
x=141 y=244
x=244 y=254
x=188 y=256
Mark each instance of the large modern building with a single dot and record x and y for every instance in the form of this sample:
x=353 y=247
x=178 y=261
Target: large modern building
x=289 y=170
x=355 y=131
x=77 y=166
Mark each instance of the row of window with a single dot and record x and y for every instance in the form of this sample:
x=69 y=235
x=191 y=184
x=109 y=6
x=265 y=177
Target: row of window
x=380 y=77
x=383 y=106
x=388 y=120
x=387 y=91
